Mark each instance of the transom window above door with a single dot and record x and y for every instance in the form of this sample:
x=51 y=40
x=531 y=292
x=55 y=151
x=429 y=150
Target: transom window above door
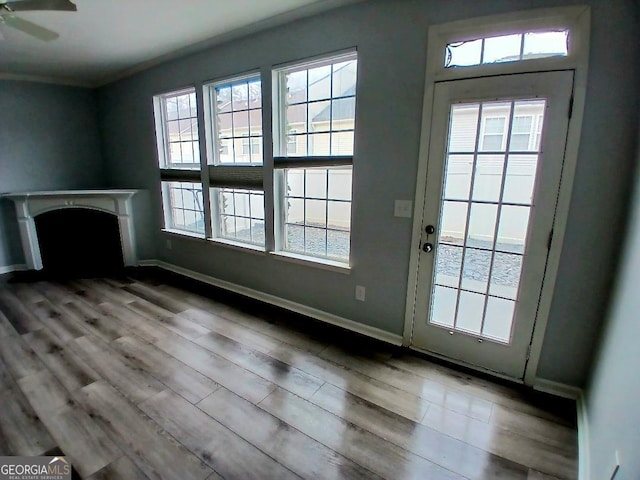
x=507 y=48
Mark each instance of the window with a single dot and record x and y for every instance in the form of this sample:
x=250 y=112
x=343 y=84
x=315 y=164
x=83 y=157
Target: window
x=236 y=106
x=234 y=132
x=493 y=136
x=521 y=133
x=507 y=48
x=179 y=161
x=314 y=126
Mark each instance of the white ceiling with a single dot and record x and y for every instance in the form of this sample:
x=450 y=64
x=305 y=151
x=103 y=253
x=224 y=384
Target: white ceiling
x=109 y=39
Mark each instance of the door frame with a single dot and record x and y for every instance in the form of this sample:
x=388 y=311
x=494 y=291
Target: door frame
x=575 y=19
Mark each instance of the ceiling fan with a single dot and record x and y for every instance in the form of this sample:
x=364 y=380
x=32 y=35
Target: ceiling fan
x=8 y=17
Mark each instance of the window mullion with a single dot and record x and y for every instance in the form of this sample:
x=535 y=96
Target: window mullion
x=204 y=171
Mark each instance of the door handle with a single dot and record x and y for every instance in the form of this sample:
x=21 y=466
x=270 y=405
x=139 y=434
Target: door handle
x=427 y=247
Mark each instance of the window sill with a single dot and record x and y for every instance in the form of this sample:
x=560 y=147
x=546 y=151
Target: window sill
x=184 y=233
x=316 y=262
x=243 y=247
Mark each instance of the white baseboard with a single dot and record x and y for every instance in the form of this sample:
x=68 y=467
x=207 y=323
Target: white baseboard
x=314 y=313
x=12 y=268
x=558 y=389
x=584 y=464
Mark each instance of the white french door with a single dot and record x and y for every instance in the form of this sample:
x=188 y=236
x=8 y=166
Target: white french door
x=495 y=162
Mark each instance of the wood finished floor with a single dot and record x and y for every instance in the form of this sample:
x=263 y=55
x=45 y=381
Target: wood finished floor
x=135 y=378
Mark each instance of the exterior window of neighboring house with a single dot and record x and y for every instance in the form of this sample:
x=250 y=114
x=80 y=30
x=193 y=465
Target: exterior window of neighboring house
x=539 y=120
x=521 y=133
x=507 y=48
x=179 y=161
x=314 y=125
x=493 y=134
x=234 y=131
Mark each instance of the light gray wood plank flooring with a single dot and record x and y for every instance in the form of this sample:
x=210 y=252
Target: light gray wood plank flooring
x=138 y=378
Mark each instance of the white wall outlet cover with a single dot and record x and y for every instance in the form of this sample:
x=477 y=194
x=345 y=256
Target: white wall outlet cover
x=403 y=208
x=360 y=293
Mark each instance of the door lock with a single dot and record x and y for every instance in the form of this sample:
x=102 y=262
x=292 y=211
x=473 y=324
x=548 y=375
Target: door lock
x=427 y=247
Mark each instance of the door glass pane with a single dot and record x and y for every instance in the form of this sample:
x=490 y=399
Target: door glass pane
x=482 y=224
x=520 y=179
x=444 y=306
x=470 y=312
x=512 y=232
x=448 y=264
x=453 y=222
x=475 y=274
x=458 y=177
x=463 y=128
x=486 y=204
x=494 y=126
x=488 y=178
x=505 y=275
x=498 y=319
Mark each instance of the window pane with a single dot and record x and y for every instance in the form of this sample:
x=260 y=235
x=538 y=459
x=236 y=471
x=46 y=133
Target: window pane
x=338 y=244
x=320 y=83
x=294 y=238
x=241 y=215
x=339 y=215
x=319 y=116
x=342 y=143
x=463 y=54
x=316 y=213
x=238 y=112
x=343 y=114
x=183 y=206
x=339 y=185
x=295 y=183
x=315 y=241
x=295 y=210
x=296 y=83
x=344 y=78
x=502 y=49
x=545 y=44
x=316 y=183
x=319 y=144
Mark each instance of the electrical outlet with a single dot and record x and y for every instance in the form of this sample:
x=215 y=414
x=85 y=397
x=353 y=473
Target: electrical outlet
x=168 y=244
x=402 y=208
x=360 y=293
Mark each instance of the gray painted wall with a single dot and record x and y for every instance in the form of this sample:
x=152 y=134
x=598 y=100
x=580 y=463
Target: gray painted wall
x=614 y=390
x=391 y=41
x=49 y=139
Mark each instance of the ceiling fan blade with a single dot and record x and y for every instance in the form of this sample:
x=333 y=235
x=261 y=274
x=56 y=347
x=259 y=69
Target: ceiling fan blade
x=30 y=28
x=28 y=5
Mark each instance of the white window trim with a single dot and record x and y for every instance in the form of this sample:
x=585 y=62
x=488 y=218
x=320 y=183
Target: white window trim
x=576 y=19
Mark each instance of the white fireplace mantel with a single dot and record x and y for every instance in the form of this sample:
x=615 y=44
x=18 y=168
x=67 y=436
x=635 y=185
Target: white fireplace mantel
x=31 y=204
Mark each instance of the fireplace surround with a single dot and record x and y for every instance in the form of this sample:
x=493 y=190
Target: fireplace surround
x=31 y=204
